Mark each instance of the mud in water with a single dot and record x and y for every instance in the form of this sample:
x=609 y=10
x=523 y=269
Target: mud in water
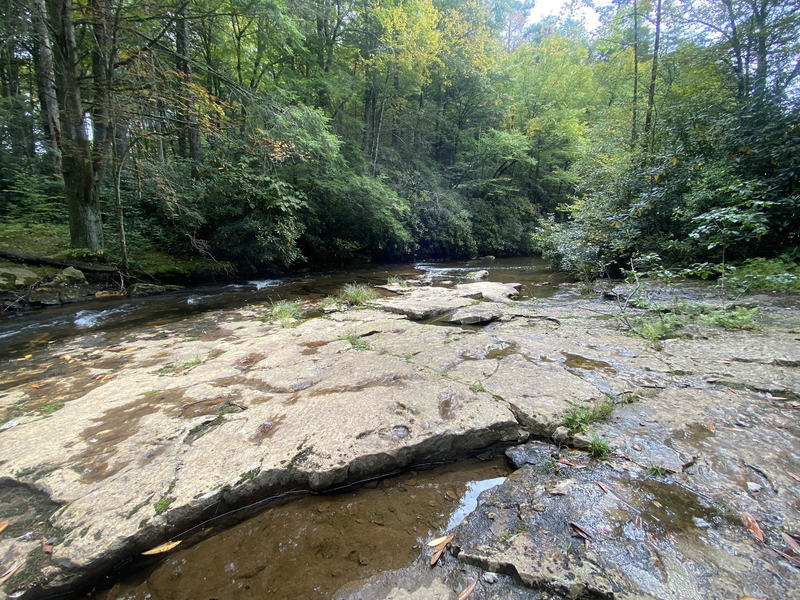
x=312 y=546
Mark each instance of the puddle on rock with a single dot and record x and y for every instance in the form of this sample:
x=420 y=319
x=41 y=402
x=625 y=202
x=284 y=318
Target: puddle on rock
x=312 y=546
x=576 y=361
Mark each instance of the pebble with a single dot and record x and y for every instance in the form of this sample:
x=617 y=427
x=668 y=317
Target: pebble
x=490 y=577
x=753 y=487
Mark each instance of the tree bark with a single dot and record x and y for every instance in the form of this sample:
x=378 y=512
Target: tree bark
x=648 y=120
x=635 y=70
x=85 y=224
x=47 y=81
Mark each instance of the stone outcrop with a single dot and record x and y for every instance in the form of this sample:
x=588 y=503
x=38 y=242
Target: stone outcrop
x=118 y=448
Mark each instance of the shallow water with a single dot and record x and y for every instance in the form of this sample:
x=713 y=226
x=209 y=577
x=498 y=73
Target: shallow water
x=310 y=547
x=109 y=318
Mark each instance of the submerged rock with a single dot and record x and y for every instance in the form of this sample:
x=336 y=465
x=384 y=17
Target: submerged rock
x=139 y=290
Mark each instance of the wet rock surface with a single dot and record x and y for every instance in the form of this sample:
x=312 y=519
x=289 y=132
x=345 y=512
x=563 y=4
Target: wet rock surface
x=135 y=442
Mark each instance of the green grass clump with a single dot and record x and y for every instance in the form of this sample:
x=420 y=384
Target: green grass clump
x=578 y=418
x=50 y=408
x=736 y=317
x=286 y=312
x=663 y=322
x=780 y=274
x=598 y=447
x=477 y=387
x=356 y=342
x=162 y=505
x=356 y=294
x=395 y=280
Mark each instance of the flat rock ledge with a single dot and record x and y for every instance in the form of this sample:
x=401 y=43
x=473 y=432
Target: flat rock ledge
x=116 y=449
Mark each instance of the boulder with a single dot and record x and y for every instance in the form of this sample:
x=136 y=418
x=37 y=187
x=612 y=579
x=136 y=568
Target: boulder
x=476 y=314
x=14 y=278
x=482 y=274
x=69 y=285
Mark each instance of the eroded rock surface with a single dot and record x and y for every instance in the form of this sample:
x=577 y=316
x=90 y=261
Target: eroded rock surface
x=136 y=442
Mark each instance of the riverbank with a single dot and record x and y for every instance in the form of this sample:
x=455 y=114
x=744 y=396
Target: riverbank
x=114 y=449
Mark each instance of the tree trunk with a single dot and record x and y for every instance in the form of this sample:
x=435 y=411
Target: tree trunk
x=85 y=225
x=648 y=120
x=188 y=131
x=47 y=81
x=635 y=70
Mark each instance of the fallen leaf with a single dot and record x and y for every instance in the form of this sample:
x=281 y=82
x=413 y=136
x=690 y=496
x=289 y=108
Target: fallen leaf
x=437 y=541
x=437 y=552
x=26 y=357
x=569 y=463
x=791 y=542
x=639 y=521
x=792 y=559
x=165 y=547
x=10 y=571
x=658 y=504
x=652 y=540
x=712 y=379
x=637 y=447
x=711 y=427
x=603 y=487
x=46 y=548
x=380 y=523
x=3 y=525
x=580 y=531
x=752 y=525
x=467 y=590
x=793 y=476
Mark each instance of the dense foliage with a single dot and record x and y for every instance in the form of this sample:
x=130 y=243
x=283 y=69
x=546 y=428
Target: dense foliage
x=277 y=132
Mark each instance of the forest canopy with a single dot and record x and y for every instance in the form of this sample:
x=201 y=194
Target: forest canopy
x=287 y=132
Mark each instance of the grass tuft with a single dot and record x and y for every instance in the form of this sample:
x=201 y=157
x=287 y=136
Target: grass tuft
x=578 y=418
x=356 y=294
x=286 y=312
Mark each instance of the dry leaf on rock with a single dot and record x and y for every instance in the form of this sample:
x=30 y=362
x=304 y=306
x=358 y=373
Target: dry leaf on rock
x=165 y=547
x=581 y=531
x=47 y=547
x=3 y=525
x=711 y=427
x=437 y=552
x=791 y=542
x=467 y=590
x=10 y=571
x=438 y=540
x=752 y=525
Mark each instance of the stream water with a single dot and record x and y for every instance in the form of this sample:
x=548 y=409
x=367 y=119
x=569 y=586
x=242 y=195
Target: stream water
x=312 y=546
x=108 y=319
x=304 y=547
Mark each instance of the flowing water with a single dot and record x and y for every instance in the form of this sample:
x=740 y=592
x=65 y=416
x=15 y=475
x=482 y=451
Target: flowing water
x=110 y=318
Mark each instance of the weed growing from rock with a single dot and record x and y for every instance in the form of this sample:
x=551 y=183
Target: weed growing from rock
x=356 y=294
x=578 y=418
x=286 y=312
x=598 y=447
x=356 y=342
